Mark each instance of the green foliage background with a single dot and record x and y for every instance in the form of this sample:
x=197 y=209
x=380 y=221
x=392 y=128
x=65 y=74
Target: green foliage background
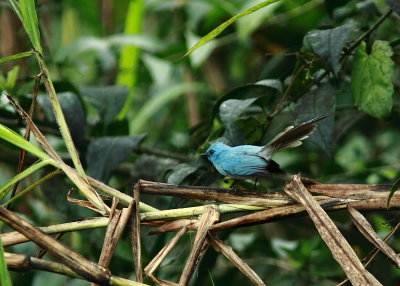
x=137 y=109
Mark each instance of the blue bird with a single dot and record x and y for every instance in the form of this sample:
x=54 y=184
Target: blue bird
x=249 y=161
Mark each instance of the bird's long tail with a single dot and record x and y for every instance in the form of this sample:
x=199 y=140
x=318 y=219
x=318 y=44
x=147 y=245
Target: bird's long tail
x=290 y=137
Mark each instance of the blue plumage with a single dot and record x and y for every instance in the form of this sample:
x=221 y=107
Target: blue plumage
x=249 y=161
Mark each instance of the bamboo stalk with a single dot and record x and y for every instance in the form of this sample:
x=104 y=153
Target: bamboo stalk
x=12 y=238
x=22 y=262
x=79 y=264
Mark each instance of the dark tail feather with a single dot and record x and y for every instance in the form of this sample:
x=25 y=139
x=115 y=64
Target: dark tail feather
x=291 y=137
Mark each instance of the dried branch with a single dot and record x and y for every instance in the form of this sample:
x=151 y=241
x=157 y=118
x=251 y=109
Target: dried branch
x=338 y=245
x=22 y=154
x=215 y=194
x=369 y=233
x=226 y=250
x=158 y=259
x=208 y=218
x=21 y=262
x=135 y=234
x=70 y=258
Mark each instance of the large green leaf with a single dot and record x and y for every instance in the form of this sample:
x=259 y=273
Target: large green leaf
x=266 y=89
x=320 y=101
x=30 y=21
x=224 y=25
x=106 y=153
x=108 y=100
x=159 y=101
x=229 y=112
x=180 y=172
x=328 y=44
x=74 y=114
x=371 y=79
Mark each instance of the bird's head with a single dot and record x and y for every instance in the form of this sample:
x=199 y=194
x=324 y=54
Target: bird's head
x=215 y=150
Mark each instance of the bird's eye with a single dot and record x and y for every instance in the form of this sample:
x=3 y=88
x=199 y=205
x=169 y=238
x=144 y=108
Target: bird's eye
x=212 y=152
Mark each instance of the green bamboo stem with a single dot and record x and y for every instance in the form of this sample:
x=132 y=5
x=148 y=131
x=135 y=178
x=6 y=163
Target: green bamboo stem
x=33 y=168
x=194 y=211
x=25 y=262
x=60 y=117
x=129 y=58
x=124 y=198
x=31 y=187
x=13 y=238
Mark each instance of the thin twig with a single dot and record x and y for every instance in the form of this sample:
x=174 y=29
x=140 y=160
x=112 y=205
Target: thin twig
x=366 y=34
x=27 y=133
x=163 y=153
x=287 y=91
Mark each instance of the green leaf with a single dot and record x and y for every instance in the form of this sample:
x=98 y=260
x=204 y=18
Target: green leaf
x=159 y=69
x=229 y=112
x=6 y=187
x=159 y=101
x=74 y=114
x=320 y=101
x=30 y=22
x=9 y=135
x=371 y=79
x=16 y=8
x=266 y=90
x=16 y=56
x=201 y=55
x=108 y=100
x=129 y=59
x=180 y=172
x=4 y=275
x=106 y=153
x=328 y=44
x=224 y=25
x=393 y=189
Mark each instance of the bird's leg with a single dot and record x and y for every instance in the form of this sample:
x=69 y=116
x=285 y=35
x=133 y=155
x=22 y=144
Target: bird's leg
x=235 y=185
x=255 y=185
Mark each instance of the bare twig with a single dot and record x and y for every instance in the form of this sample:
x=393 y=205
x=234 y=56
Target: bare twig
x=27 y=133
x=369 y=233
x=156 y=261
x=287 y=91
x=135 y=234
x=365 y=35
x=338 y=245
x=227 y=251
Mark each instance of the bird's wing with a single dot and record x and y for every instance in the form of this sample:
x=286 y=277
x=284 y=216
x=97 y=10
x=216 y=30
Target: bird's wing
x=244 y=164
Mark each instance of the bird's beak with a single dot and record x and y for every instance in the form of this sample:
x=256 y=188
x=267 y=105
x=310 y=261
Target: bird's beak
x=204 y=154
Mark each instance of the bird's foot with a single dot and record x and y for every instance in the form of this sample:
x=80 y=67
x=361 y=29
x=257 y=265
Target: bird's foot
x=235 y=188
x=255 y=185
